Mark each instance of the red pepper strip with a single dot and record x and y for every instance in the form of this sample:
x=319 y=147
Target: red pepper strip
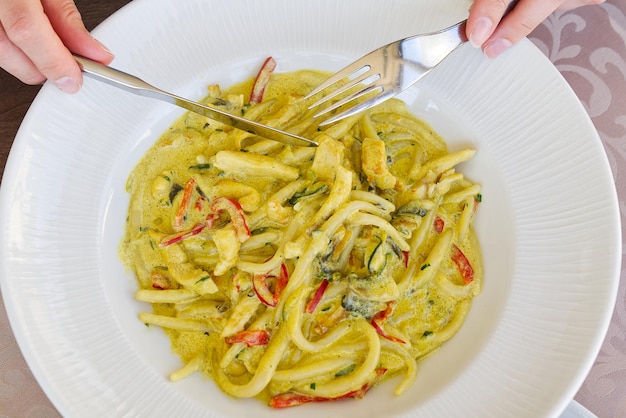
x=237 y=217
x=405 y=258
x=360 y=393
x=462 y=264
x=281 y=282
x=237 y=281
x=261 y=289
x=174 y=238
x=287 y=399
x=476 y=204
x=315 y=300
x=210 y=220
x=160 y=280
x=379 y=319
x=262 y=79
x=438 y=224
x=184 y=203
x=200 y=202
x=250 y=337
x=259 y=282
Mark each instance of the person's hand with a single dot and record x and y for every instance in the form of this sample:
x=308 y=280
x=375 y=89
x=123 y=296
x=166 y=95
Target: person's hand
x=36 y=37
x=487 y=29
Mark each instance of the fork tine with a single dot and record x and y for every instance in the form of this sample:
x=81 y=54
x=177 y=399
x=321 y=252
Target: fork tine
x=368 y=74
x=385 y=95
x=346 y=71
x=354 y=96
x=397 y=66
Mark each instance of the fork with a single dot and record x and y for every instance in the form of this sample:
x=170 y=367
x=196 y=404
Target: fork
x=388 y=70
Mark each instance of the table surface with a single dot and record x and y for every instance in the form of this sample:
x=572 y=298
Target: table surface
x=587 y=45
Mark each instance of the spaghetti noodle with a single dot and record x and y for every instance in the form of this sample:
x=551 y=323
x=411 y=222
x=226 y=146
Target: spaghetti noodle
x=297 y=274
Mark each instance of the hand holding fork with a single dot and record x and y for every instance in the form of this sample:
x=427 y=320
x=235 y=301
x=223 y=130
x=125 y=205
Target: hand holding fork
x=385 y=72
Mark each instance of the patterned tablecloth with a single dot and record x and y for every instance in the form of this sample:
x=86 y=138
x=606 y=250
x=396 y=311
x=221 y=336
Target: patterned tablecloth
x=588 y=46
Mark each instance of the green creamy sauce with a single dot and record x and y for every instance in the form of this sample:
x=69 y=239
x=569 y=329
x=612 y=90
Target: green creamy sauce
x=187 y=150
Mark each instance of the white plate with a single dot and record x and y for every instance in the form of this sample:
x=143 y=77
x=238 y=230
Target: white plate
x=548 y=224
x=576 y=410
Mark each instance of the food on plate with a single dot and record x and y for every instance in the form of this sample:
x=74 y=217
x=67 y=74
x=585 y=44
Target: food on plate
x=297 y=274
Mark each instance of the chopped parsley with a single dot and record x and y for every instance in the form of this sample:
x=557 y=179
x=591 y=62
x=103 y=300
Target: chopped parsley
x=203 y=279
x=200 y=166
x=346 y=371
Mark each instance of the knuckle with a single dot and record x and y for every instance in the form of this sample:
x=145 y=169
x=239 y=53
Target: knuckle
x=5 y=42
x=53 y=67
x=19 y=28
x=497 y=8
x=67 y=12
x=503 y=4
x=526 y=25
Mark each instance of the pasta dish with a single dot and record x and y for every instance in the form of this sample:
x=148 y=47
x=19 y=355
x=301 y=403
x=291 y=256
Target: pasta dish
x=297 y=274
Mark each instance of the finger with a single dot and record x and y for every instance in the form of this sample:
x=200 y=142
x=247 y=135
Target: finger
x=68 y=24
x=573 y=4
x=484 y=16
x=29 y=29
x=525 y=17
x=15 y=62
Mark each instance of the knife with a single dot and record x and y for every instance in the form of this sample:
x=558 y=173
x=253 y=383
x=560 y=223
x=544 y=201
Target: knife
x=137 y=86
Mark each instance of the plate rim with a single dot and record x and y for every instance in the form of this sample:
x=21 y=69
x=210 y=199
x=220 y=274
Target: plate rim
x=13 y=312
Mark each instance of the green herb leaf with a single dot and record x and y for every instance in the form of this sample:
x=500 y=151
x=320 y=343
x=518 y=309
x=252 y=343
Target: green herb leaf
x=346 y=371
x=200 y=166
x=203 y=279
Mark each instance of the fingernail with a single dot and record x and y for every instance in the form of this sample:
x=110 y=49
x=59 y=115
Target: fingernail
x=67 y=84
x=482 y=29
x=496 y=47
